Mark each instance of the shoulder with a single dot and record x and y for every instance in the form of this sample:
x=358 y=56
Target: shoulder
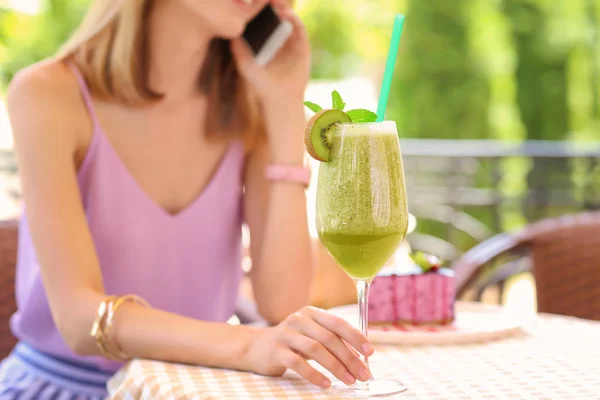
x=47 y=80
x=45 y=94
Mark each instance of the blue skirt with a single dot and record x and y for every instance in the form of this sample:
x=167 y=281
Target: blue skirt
x=30 y=374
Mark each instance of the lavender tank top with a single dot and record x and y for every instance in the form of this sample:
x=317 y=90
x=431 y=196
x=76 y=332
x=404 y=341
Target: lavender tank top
x=188 y=263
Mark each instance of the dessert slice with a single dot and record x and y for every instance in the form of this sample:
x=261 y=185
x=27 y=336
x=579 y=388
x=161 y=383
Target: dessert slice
x=421 y=294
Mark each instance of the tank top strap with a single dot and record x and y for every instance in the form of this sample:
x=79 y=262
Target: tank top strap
x=85 y=93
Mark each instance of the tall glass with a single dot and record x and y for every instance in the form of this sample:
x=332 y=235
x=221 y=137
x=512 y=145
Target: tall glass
x=362 y=217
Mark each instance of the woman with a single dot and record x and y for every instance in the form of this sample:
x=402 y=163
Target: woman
x=141 y=146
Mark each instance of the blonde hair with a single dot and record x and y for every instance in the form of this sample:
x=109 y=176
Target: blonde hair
x=110 y=47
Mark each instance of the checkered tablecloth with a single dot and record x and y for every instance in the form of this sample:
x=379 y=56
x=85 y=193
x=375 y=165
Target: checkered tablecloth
x=556 y=358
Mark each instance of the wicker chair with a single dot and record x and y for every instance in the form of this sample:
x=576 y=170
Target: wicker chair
x=8 y=258
x=563 y=254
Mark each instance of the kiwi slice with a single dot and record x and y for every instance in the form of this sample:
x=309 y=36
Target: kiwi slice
x=318 y=132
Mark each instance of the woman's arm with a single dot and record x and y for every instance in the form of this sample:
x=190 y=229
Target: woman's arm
x=43 y=104
x=276 y=211
x=47 y=117
x=282 y=263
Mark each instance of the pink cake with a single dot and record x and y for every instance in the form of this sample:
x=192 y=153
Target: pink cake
x=414 y=296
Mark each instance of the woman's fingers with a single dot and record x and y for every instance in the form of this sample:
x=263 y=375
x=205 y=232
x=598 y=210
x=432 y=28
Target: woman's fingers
x=299 y=35
x=245 y=62
x=242 y=55
x=280 y=5
x=332 y=342
x=285 y=11
x=314 y=350
x=342 y=328
x=336 y=346
x=297 y=23
x=352 y=349
x=298 y=364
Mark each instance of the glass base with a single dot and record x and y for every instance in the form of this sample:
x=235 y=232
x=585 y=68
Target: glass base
x=373 y=388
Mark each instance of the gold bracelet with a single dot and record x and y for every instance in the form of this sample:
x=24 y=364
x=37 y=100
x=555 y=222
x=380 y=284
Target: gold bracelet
x=103 y=324
x=113 y=307
x=97 y=331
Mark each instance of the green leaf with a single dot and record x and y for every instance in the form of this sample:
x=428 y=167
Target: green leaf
x=313 y=106
x=420 y=259
x=362 y=115
x=337 y=102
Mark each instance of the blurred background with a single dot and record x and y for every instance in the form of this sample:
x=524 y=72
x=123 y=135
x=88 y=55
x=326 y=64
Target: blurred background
x=497 y=103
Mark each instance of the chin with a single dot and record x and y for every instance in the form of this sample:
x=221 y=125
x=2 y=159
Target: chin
x=229 y=36
x=230 y=33
x=231 y=29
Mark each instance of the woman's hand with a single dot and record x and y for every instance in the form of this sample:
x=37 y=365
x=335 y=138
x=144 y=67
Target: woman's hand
x=280 y=87
x=311 y=333
x=285 y=77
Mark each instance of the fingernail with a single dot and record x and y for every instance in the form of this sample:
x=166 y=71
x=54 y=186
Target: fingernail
x=349 y=378
x=363 y=374
x=325 y=383
x=367 y=349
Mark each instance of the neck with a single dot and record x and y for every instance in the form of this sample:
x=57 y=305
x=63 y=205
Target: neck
x=178 y=47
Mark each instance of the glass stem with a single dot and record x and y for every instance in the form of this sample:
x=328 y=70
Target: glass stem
x=362 y=289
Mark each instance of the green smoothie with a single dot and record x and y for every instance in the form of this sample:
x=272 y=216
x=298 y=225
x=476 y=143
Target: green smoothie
x=362 y=214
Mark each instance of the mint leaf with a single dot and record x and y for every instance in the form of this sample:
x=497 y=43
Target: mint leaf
x=314 y=107
x=362 y=115
x=337 y=101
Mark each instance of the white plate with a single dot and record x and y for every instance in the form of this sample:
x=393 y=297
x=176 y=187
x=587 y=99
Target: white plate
x=475 y=322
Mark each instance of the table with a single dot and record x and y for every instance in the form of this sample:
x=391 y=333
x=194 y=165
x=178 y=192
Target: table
x=554 y=358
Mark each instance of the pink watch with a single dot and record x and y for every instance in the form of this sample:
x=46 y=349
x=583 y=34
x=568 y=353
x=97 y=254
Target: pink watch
x=288 y=173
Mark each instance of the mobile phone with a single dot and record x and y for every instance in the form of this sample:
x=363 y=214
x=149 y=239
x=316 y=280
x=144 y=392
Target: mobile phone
x=266 y=34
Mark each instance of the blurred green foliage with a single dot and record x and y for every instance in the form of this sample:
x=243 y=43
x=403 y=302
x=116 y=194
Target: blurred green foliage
x=25 y=38
x=328 y=20
x=541 y=75
x=440 y=75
